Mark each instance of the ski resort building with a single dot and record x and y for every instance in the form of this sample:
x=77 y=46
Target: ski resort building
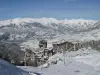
x=71 y=45
x=41 y=55
x=38 y=56
x=63 y=45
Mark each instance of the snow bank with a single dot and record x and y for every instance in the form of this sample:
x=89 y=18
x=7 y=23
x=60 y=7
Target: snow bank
x=88 y=56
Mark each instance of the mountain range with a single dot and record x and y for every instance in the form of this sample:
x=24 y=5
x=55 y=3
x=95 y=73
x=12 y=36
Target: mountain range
x=25 y=29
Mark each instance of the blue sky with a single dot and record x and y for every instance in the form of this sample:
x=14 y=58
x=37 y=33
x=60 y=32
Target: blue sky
x=59 y=9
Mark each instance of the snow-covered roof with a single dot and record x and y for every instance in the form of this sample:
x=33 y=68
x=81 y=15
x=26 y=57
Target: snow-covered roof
x=62 y=41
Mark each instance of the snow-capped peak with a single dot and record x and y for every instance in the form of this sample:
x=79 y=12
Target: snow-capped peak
x=46 y=21
x=62 y=25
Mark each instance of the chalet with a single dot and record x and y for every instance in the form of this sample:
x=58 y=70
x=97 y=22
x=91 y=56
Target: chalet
x=38 y=56
x=70 y=45
x=59 y=46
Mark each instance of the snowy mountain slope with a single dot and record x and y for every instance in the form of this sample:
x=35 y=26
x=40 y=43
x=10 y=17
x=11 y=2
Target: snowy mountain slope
x=29 y=30
x=44 y=26
x=92 y=33
x=50 y=22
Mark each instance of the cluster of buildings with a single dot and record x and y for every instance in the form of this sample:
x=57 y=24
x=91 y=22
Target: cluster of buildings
x=42 y=54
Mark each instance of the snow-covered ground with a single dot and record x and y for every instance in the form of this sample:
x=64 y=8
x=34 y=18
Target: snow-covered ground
x=81 y=62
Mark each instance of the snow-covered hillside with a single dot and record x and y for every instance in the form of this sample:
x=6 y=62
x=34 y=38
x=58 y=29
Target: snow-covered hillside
x=50 y=22
x=21 y=28
x=30 y=29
